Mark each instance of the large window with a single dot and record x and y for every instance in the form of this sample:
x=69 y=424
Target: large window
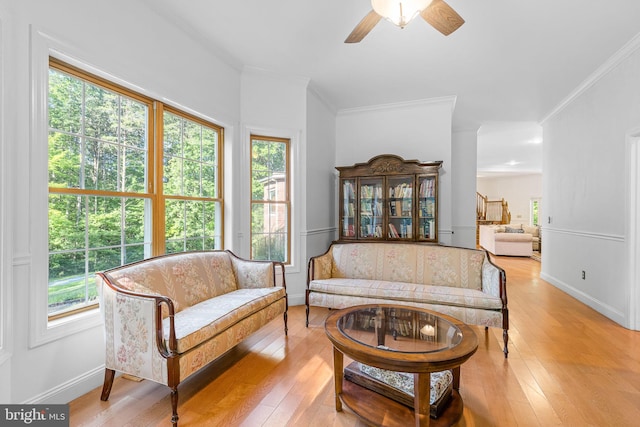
x=123 y=185
x=270 y=199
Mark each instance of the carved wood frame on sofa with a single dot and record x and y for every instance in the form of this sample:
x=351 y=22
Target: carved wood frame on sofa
x=460 y=282
x=169 y=316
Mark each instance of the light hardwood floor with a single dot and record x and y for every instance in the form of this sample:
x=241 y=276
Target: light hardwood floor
x=567 y=365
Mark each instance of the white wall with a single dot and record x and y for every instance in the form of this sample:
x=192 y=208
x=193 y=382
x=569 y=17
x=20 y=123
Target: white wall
x=134 y=46
x=321 y=185
x=585 y=186
x=413 y=130
x=463 y=159
x=276 y=105
x=516 y=190
x=5 y=258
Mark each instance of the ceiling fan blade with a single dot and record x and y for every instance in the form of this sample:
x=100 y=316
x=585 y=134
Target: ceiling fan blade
x=442 y=17
x=363 y=28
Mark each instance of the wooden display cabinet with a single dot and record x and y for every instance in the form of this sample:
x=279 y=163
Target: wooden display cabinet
x=389 y=198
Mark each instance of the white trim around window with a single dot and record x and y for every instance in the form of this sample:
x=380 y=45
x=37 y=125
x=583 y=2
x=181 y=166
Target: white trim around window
x=41 y=330
x=294 y=137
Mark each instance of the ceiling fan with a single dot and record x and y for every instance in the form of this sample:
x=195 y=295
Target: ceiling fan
x=400 y=12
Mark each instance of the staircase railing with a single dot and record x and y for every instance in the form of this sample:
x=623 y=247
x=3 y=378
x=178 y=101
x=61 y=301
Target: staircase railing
x=496 y=211
x=481 y=206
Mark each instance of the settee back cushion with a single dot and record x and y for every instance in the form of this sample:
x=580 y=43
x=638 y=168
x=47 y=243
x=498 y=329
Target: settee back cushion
x=410 y=263
x=187 y=278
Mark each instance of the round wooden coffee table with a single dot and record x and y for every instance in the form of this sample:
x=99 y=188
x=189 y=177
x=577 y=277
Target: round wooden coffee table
x=401 y=339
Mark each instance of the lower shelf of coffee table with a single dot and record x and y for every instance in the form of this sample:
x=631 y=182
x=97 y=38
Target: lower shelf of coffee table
x=353 y=373
x=378 y=410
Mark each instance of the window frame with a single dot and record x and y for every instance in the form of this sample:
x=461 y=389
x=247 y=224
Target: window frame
x=533 y=206
x=31 y=259
x=287 y=203
x=154 y=191
x=160 y=212
x=148 y=193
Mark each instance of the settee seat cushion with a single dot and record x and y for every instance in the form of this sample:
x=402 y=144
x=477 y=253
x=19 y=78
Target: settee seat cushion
x=196 y=324
x=411 y=292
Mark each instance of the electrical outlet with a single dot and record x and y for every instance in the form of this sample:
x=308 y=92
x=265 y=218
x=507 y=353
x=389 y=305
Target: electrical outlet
x=584 y=275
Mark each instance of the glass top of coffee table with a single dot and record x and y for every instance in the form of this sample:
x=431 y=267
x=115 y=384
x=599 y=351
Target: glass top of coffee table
x=399 y=329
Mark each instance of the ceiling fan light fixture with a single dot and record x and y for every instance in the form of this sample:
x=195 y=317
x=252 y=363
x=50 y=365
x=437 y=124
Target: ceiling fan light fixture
x=399 y=12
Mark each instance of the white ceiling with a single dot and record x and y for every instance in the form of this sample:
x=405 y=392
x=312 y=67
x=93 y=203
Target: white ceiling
x=510 y=64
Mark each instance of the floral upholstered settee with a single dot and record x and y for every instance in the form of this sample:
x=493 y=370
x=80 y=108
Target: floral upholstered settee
x=459 y=282
x=167 y=317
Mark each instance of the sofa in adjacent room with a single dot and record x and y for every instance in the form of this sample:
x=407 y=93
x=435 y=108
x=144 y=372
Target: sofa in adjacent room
x=510 y=239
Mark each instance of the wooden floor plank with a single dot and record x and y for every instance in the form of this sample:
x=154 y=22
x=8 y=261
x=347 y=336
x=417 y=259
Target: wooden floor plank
x=568 y=366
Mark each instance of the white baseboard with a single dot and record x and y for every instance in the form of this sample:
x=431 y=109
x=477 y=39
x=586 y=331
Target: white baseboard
x=296 y=299
x=70 y=390
x=597 y=305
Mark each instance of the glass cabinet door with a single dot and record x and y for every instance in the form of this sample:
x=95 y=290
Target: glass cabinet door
x=400 y=207
x=371 y=208
x=427 y=209
x=348 y=203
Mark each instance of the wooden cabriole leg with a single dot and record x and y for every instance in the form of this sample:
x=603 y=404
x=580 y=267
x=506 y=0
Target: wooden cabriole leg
x=306 y=303
x=109 y=374
x=286 y=329
x=174 y=406
x=505 y=336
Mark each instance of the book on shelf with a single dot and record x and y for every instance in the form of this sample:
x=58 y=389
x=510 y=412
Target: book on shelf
x=406 y=207
x=365 y=207
x=427 y=229
x=401 y=190
x=430 y=208
x=393 y=232
x=427 y=208
x=369 y=191
x=348 y=230
x=427 y=187
x=349 y=209
x=347 y=190
x=378 y=208
x=406 y=229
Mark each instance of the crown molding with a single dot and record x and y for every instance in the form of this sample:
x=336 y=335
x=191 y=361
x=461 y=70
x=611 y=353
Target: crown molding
x=616 y=59
x=398 y=105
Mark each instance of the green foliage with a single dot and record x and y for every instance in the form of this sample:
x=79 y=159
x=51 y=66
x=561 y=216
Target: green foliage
x=268 y=174
x=98 y=141
x=271 y=247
